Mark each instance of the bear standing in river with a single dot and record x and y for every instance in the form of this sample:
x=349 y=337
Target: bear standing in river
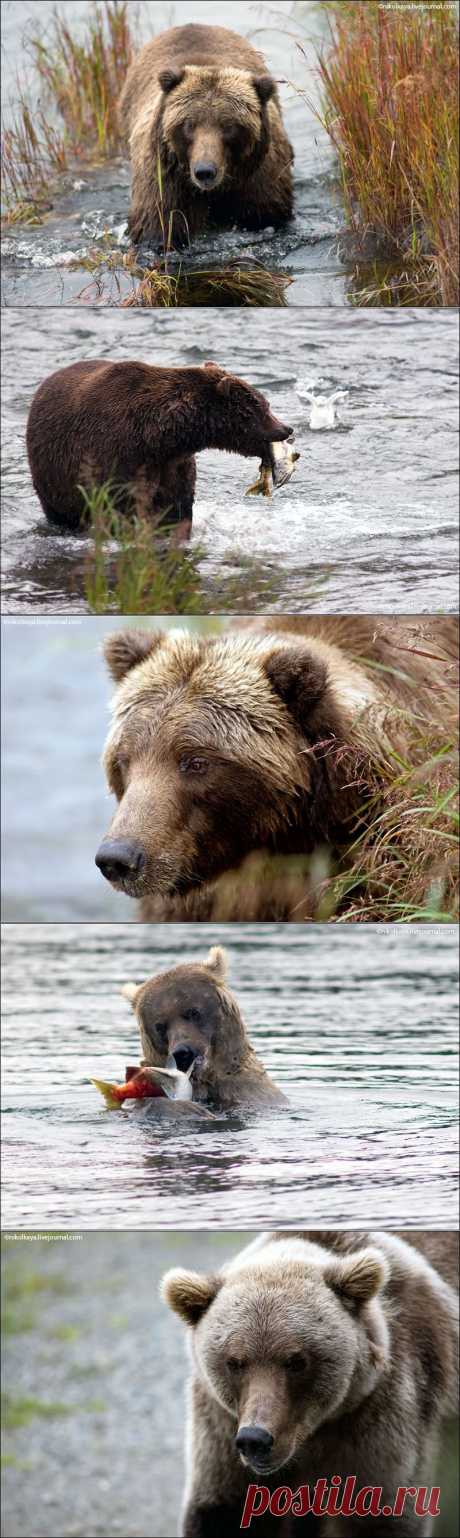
x=206 y=137
x=139 y=428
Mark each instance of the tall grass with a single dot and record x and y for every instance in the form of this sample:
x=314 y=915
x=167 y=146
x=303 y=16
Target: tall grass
x=76 y=118
x=390 y=88
x=130 y=569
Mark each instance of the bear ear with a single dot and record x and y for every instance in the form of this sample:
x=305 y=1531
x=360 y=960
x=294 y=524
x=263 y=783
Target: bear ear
x=216 y=962
x=124 y=649
x=189 y=1294
x=130 y=991
x=299 y=678
x=221 y=379
x=357 y=1278
x=264 y=85
x=169 y=78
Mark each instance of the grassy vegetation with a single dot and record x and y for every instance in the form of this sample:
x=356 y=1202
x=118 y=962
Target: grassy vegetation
x=133 y=568
x=75 y=121
x=390 y=86
x=404 y=866
x=130 y=570
x=233 y=285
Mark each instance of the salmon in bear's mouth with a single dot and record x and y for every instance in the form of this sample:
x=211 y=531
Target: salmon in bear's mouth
x=147 y=1083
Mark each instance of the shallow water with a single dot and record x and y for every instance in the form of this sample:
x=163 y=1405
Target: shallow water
x=361 y=1035
x=94 y=202
x=368 y=521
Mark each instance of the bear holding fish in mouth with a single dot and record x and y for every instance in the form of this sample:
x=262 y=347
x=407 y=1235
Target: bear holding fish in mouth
x=138 y=428
x=197 y=1056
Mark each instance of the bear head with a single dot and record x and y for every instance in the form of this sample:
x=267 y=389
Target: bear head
x=188 y=1016
x=286 y=1339
x=214 y=123
x=212 y=753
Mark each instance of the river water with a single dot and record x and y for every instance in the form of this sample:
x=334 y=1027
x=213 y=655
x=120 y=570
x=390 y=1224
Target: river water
x=360 y=1032
x=369 y=520
x=288 y=33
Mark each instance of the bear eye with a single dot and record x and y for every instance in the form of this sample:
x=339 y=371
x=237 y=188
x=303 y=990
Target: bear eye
x=295 y=1363
x=193 y=765
x=234 y=1364
x=192 y=1015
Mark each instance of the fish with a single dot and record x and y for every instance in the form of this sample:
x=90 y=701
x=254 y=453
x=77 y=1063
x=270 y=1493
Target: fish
x=274 y=470
x=147 y=1083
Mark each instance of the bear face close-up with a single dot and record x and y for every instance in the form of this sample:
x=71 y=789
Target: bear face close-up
x=208 y=148
x=314 y=1357
x=138 y=427
x=188 y=1016
x=225 y=746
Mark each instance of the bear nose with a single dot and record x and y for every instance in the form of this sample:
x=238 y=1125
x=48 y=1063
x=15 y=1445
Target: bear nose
x=183 y=1057
x=205 y=172
x=118 y=858
x=254 y=1442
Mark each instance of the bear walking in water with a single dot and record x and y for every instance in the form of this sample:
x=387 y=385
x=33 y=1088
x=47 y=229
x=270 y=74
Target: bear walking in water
x=313 y=1356
x=139 y=427
x=188 y=1015
x=206 y=136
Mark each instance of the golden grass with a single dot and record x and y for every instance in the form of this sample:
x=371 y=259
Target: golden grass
x=390 y=86
x=76 y=121
x=233 y=285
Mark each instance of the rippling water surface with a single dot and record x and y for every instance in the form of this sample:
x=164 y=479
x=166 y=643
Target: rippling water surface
x=369 y=520
x=359 y=1030
x=94 y=204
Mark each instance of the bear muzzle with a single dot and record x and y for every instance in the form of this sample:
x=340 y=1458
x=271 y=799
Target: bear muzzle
x=255 y=1445
x=120 y=860
x=205 y=174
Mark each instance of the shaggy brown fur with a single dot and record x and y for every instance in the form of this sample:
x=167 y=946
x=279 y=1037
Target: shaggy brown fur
x=223 y=747
x=188 y=1015
x=198 y=97
x=343 y=1348
x=140 y=427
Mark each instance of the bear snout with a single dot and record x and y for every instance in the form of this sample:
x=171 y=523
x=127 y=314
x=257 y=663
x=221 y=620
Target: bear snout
x=278 y=431
x=205 y=174
x=120 y=860
x=207 y=160
x=254 y=1445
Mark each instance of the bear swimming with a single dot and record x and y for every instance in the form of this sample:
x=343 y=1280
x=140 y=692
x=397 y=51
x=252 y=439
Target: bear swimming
x=140 y=427
x=188 y=1015
x=206 y=137
x=315 y=1355
x=255 y=740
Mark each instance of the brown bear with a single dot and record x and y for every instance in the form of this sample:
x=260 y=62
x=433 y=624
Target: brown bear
x=206 y=137
x=139 y=428
x=188 y=1015
x=272 y=739
x=319 y=1357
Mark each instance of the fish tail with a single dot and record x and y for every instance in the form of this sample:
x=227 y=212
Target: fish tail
x=107 y=1090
